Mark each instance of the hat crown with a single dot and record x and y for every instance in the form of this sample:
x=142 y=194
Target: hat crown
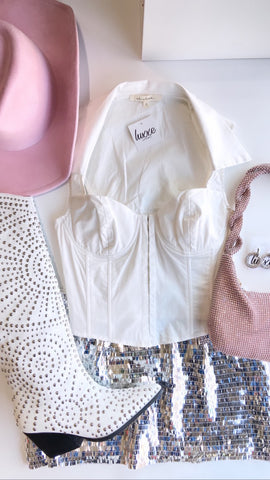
x=25 y=90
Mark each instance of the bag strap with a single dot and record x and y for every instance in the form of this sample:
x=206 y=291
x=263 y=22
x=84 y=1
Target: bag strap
x=242 y=196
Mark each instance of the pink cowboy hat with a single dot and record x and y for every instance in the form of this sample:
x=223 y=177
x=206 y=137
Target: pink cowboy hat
x=38 y=95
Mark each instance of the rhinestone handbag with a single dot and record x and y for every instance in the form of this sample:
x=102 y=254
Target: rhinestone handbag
x=239 y=320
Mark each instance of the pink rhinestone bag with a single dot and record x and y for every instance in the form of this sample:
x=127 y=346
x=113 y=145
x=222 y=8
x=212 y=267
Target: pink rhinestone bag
x=239 y=320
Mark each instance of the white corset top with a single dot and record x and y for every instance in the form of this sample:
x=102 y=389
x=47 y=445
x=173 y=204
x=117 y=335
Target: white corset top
x=145 y=224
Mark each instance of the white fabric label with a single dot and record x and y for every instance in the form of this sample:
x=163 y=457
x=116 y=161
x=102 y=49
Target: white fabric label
x=145 y=98
x=145 y=132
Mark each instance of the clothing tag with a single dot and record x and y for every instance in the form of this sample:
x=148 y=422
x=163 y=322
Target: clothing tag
x=145 y=98
x=145 y=132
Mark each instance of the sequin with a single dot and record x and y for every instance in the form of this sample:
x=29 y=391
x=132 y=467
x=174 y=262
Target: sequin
x=215 y=406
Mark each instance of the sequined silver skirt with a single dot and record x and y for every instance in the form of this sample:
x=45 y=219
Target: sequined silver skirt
x=214 y=406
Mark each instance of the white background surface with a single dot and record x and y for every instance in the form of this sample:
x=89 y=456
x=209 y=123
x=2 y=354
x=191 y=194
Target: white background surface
x=206 y=29
x=110 y=50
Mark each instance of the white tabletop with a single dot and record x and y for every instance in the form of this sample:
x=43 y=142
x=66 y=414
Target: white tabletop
x=110 y=53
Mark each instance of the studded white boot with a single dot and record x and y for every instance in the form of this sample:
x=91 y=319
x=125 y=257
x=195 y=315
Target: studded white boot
x=57 y=403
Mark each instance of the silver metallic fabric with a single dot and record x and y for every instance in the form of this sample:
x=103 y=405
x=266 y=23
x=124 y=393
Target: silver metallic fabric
x=213 y=407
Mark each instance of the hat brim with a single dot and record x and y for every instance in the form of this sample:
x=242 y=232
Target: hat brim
x=47 y=164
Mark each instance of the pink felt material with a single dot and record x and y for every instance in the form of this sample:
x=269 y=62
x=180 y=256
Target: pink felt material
x=38 y=95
